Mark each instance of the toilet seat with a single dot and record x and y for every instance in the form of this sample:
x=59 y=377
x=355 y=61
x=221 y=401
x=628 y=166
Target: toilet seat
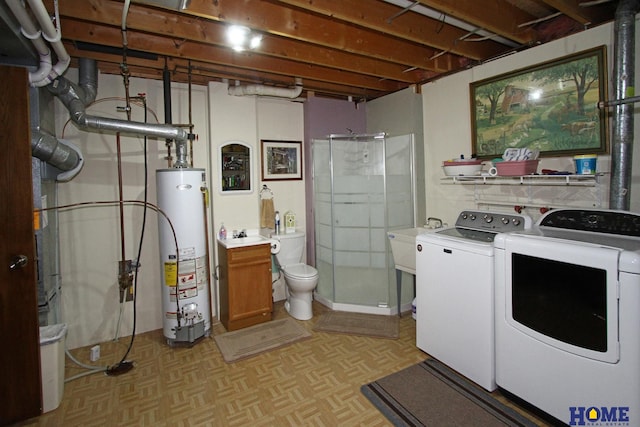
x=300 y=271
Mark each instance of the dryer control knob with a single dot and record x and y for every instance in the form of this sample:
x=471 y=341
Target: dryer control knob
x=487 y=218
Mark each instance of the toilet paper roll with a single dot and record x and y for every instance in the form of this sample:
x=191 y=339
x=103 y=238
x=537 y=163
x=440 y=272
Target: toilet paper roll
x=493 y=171
x=275 y=246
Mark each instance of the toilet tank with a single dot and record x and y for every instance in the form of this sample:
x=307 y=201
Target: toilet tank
x=292 y=248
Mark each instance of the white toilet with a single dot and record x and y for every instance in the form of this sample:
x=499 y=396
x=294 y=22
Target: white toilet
x=301 y=279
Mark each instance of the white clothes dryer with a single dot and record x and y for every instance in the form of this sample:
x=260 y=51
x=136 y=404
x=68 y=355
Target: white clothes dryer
x=567 y=303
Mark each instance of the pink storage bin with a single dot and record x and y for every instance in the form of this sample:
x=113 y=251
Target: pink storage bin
x=517 y=168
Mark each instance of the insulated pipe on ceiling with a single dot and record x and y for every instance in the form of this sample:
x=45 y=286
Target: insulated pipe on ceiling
x=262 y=90
x=52 y=35
x=75 y=97
x=622 y=141
x=38 y=77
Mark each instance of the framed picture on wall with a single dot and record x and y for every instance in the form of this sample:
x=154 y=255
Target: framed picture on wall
x=281 y=160
x=550 y=107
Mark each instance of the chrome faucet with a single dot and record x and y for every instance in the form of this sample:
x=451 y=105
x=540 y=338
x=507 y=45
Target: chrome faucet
x=434 y=222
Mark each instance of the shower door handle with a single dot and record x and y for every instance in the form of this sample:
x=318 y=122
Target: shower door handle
x=18 y=261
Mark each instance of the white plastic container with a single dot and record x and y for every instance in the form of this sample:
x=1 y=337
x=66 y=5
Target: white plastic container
x=461 y=167
x=52 y=339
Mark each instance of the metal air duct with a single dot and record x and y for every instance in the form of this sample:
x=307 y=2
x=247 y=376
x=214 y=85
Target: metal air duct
x=50 y=149
x=622 y=141
x=76 y=97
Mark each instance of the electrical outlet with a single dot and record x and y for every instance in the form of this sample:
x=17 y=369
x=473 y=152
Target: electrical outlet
x=95 y=353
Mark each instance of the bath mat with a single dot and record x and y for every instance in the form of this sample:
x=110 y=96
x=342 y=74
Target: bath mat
x=372 y=325
x=251 y=341
x=431 y=394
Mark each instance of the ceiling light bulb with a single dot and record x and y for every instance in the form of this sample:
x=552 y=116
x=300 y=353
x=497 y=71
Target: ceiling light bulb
x=241 y=38
x=255 y=41
x=237 y=35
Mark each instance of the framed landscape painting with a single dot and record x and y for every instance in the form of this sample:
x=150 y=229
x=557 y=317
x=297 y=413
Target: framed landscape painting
x=550 y=107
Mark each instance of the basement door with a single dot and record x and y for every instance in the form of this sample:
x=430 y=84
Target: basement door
x=19 y=331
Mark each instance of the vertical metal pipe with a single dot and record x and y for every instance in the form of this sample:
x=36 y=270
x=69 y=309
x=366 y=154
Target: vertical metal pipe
x=166 y=85
x=166 y=80
x=190 y=120
x=622 y=141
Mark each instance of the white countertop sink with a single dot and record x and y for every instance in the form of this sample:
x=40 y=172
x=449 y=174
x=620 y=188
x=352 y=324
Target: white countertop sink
x=403 y=247
x=239 y=242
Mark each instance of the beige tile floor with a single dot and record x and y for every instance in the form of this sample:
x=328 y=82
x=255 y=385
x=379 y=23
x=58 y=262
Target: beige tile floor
x=315 y=382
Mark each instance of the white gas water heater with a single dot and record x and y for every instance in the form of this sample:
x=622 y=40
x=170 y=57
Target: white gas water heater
x=183 y=256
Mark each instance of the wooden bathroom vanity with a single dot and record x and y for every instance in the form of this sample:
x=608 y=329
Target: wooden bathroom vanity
x=245 y=285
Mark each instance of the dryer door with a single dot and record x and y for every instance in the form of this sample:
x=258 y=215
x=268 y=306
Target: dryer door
x=564 y=294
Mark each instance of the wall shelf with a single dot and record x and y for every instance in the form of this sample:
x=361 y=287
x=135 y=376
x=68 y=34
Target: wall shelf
x=534 y=190
x=538 y=180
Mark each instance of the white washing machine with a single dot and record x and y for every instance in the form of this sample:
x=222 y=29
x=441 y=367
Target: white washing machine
x=568 y=316
x=454 y=292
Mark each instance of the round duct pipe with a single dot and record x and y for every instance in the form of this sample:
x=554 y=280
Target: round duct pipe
x=262 y=90
x=622 y=141
x=76 y=97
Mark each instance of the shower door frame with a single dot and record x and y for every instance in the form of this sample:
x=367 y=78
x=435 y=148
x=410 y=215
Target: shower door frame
x=386 y=307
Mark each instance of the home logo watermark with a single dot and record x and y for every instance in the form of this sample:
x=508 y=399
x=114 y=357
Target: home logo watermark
x=599 y=416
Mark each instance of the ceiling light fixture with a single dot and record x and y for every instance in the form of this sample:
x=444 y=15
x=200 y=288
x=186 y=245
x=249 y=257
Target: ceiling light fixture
x=241 y=38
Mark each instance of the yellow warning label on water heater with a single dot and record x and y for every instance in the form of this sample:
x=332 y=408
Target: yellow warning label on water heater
x=170 y=273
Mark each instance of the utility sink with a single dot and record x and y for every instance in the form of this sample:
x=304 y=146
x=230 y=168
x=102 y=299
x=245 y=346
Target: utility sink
x=403 y=247
x=239 y=242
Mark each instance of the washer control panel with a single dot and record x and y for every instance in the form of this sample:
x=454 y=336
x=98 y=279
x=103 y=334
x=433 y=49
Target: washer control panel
x=497 y=222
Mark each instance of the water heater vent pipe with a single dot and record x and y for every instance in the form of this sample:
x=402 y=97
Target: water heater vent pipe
x=76 y=97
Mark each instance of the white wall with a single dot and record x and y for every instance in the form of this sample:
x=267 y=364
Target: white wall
x=400 y=113
x=90 y=236
x=447 y=133
x=90 y=243
x=250 y=119
x=90 y=247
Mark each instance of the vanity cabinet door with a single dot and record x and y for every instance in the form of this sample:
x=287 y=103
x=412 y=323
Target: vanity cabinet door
x=245 y=286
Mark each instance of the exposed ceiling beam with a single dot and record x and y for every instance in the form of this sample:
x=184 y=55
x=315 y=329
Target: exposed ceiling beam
x=201 y=30
x=497 y=16
x=408 y=26
x=572 y=8
x=271 y=18
x=87 y=32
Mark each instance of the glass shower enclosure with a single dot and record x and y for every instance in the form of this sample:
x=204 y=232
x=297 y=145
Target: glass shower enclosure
x=364 y=185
